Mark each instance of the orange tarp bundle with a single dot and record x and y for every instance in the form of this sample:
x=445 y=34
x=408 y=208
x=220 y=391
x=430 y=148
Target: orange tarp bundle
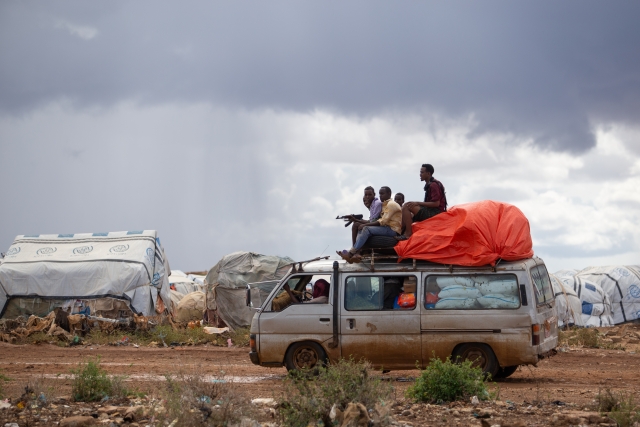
x=473 y=234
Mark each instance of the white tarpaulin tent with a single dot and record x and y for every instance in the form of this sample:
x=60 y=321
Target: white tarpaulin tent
x=129 y=266
x=227 y=280
x=580 y=302
x=622 y=284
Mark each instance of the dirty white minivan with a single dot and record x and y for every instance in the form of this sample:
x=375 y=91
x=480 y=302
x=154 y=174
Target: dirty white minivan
x=399 y=315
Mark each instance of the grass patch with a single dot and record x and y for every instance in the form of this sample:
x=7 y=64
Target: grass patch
x=168 y=335
x=308 y=399
x=619 y=406
x=193 y=400
x=447 y=381
x=3 y=379
x=585 y=337
x=91 y=383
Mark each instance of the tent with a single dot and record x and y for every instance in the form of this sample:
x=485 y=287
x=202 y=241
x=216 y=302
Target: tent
x=580 y=302
x=89 y=273
x=226 y=283
x=622 y=284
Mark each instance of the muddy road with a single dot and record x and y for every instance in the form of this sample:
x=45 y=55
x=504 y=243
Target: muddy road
x=573 y=376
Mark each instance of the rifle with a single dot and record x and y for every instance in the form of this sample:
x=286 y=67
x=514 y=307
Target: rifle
x=348 y=220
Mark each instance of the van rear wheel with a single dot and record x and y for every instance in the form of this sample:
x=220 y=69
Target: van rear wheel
x=480 y=354
x=306 y=355
x=506 y=371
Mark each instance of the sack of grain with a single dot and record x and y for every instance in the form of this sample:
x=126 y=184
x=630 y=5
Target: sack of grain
x=457 y=291
x=445 y=281
x=457 y=303
x=499 y=301
x=499 y=287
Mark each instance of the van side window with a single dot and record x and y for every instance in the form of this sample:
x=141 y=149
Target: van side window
x=303 y=287
x=542 y=283
x=367 y=293
x=471 y=291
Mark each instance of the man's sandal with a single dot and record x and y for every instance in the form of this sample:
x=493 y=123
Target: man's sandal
x=346 y=255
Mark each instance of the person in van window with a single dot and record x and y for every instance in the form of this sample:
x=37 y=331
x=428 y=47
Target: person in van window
x=375 y=209
x=388 y=225
x=435 y=202
x=320 y=293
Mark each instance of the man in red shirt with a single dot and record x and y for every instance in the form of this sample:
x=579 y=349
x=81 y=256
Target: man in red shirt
x=435 y=201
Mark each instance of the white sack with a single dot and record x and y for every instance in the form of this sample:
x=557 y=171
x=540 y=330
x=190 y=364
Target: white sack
x=500 y=287
x=445 y=281
x=457 y=303
x=499 y=301
x=457 y=291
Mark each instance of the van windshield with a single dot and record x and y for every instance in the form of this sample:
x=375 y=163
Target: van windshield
x=544 y=291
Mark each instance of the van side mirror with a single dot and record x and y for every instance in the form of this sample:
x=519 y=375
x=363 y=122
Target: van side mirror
x=247 y=297
x=523 y=294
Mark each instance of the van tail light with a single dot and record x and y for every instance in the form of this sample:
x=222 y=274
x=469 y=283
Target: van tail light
x=535 y=334
x=252 y=342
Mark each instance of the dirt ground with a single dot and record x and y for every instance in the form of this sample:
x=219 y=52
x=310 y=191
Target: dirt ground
x=569 y=381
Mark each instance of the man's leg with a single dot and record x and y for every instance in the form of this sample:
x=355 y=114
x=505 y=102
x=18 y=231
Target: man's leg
x=355 y=229
x=371 y=231
x=364 y=234
x=407 y=219
x=354 y=232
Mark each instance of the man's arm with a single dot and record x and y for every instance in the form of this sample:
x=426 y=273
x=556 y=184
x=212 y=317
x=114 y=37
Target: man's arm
x=294 y=299
x=411 y=205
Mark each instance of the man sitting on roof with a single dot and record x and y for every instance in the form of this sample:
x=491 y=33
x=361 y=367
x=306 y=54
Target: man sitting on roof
x=388 y=225
x=375 y=208
x=435 y=202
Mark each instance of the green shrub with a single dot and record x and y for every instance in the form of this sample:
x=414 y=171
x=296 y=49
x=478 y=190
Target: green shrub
x=447 y=381
x=91 y=383
x=310 y=398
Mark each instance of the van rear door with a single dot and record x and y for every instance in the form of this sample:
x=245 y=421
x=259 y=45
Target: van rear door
x=545 y=325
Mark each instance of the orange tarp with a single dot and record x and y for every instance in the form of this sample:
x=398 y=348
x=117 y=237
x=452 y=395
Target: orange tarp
x=472 y=234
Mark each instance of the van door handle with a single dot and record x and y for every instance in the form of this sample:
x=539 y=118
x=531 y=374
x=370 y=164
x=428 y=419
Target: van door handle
x=325 y=319
x=352 y=323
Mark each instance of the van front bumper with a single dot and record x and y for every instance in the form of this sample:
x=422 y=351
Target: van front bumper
x=255 y=359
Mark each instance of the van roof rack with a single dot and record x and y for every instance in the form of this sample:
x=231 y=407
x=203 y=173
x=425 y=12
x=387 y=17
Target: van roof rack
x=299 y=269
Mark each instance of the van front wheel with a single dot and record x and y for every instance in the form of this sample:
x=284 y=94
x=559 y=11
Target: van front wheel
x=480 y=354
x=305 y=355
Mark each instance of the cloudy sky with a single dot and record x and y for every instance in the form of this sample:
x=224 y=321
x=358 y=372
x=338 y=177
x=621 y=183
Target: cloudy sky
x=250 y=125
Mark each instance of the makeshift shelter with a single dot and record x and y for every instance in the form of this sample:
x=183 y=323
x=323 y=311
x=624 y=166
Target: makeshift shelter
x=580 y=302
x=226 y=283
x=99 y=273
x=472 y=234
x=622 y=284
x=190 y=307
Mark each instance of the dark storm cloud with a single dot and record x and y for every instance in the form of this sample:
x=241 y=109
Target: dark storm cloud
x=544 y=70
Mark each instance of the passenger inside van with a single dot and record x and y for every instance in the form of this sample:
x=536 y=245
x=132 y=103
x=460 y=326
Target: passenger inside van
x=320 y=293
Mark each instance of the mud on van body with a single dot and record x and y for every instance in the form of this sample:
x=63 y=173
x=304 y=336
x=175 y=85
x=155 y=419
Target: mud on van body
x=399 y=315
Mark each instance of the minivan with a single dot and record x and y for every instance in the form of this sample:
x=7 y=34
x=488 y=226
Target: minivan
x=400 y=315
